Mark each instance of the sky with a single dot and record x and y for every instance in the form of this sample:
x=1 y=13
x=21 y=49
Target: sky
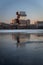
x=33 y=9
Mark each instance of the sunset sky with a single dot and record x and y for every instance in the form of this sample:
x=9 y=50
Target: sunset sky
x=33 y=8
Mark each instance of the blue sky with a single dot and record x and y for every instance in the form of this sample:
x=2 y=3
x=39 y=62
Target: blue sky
x=33 y=8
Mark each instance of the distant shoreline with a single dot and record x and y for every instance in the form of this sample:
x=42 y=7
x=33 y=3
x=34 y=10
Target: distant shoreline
x=23 y=31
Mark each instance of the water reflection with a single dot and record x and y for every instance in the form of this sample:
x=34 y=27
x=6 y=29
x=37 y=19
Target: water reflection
x=13 y=54
x=20 y=38
x=40 y=35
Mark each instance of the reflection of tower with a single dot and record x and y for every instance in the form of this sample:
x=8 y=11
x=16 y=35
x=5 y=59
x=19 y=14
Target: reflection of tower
x=21 y=39
x=18 y=39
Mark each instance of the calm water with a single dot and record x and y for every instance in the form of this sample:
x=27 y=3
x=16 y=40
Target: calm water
x=21 y=49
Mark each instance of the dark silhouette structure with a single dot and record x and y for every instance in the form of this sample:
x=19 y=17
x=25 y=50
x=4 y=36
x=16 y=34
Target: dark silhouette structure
x=18 y=16
x=17 y=20
x=18 y=41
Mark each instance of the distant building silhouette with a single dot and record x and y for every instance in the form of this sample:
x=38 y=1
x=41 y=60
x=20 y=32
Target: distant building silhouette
x=25 y=22
x=40 y=24
x=19 y=20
